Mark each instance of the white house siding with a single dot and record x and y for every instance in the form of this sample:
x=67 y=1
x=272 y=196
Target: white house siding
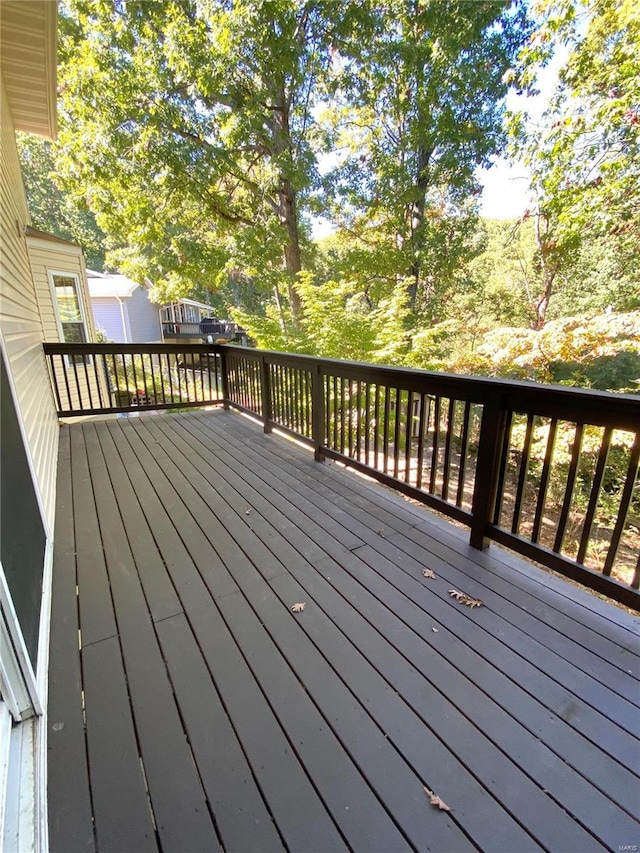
x=108 y=317
x=21 y=324
x=48 y=256
x=144 y=317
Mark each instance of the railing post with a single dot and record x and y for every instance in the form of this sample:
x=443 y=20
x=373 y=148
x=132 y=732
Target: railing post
x=265 y=386
x=317 y=413
x=486 y=479
x=225 y=378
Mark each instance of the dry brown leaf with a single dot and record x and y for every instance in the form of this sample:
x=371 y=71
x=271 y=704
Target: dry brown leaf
x=435 y=800
x=428 y=573
x=299 y=607
x=463 y=598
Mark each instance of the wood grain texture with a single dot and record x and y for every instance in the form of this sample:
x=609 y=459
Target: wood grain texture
x=319 y=730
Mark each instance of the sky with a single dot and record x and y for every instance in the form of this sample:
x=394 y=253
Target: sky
x=506 y=186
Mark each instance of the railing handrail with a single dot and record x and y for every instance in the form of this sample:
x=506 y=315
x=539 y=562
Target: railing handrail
x=125 y=349
x=605 y=406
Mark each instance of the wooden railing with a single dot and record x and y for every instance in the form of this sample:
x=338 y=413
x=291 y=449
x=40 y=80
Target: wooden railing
x=550 y=472
x=547 y=471
x=90 y=379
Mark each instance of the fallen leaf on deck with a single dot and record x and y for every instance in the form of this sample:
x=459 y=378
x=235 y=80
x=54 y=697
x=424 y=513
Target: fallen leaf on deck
x=463 y=598
x=435 y=800
x=428 y=573
x=380 y=532
x=298 y=608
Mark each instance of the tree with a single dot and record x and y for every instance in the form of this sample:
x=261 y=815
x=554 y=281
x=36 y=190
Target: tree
x=420 y=90
x=187 y=126
x=585 y=158
x=53 y=210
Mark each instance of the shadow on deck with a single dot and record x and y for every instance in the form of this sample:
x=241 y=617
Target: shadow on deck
x=200 y=712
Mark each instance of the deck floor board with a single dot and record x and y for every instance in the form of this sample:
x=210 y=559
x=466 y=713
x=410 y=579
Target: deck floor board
x=245 y=726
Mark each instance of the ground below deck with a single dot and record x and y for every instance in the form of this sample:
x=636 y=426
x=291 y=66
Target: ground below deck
x=198 y=712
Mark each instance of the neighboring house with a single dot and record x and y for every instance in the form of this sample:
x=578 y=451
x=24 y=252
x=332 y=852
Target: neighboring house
x=122 y=309
x=193 y=322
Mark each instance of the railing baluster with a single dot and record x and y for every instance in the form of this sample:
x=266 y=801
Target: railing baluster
x=504 y=460
x=408 y=430
x=376 y=429
x=596 y=484
x=350 y=393
x=367 y=422
x=342 y=415
x=144 y=380
x=266 y=394
x=568 y=493
x=289 y=396
x=385 y=432
x=280 y=386
x=462 y=465
x=423 y=410
x=358 y=421
x=447 y=450
x=436 y=451
x=203 y=395
x=544 y=480
x=625 y=503
x=94 y=361
x=126 y=378
x=135 y=379
x=86 y=377
x=522 y=476
x=153 y=378
x=75 y=373
x=396 y=433
x=317 y=411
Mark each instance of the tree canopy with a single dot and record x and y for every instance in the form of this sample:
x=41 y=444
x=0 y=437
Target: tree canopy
x=205 y=136
x=53 y=210
x=194 y=131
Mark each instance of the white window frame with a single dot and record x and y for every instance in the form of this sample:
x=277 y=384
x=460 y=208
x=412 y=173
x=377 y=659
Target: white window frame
x=51 y=275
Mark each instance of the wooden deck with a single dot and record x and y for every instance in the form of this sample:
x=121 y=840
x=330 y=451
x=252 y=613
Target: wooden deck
x=198 y=712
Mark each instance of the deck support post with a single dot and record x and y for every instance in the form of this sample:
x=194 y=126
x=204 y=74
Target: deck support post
x=265 y=387
x=489 y=450
x=317 y=413
x=225 y=378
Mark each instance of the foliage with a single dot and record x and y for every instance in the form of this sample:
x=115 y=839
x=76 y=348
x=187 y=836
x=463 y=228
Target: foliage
x=186 y=126
x=53 y=210
x=585 y=158
x=417 y=105
x=602 y=352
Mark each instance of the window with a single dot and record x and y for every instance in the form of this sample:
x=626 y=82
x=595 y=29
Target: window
x=68 y=305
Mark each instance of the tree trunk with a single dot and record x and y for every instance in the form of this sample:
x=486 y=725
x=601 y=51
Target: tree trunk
x=417 y=221
x=547 y=267
x=288 y=214
x=292 y=261
x=542 y=304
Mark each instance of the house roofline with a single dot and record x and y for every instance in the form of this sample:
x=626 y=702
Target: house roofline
x=36 y=234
